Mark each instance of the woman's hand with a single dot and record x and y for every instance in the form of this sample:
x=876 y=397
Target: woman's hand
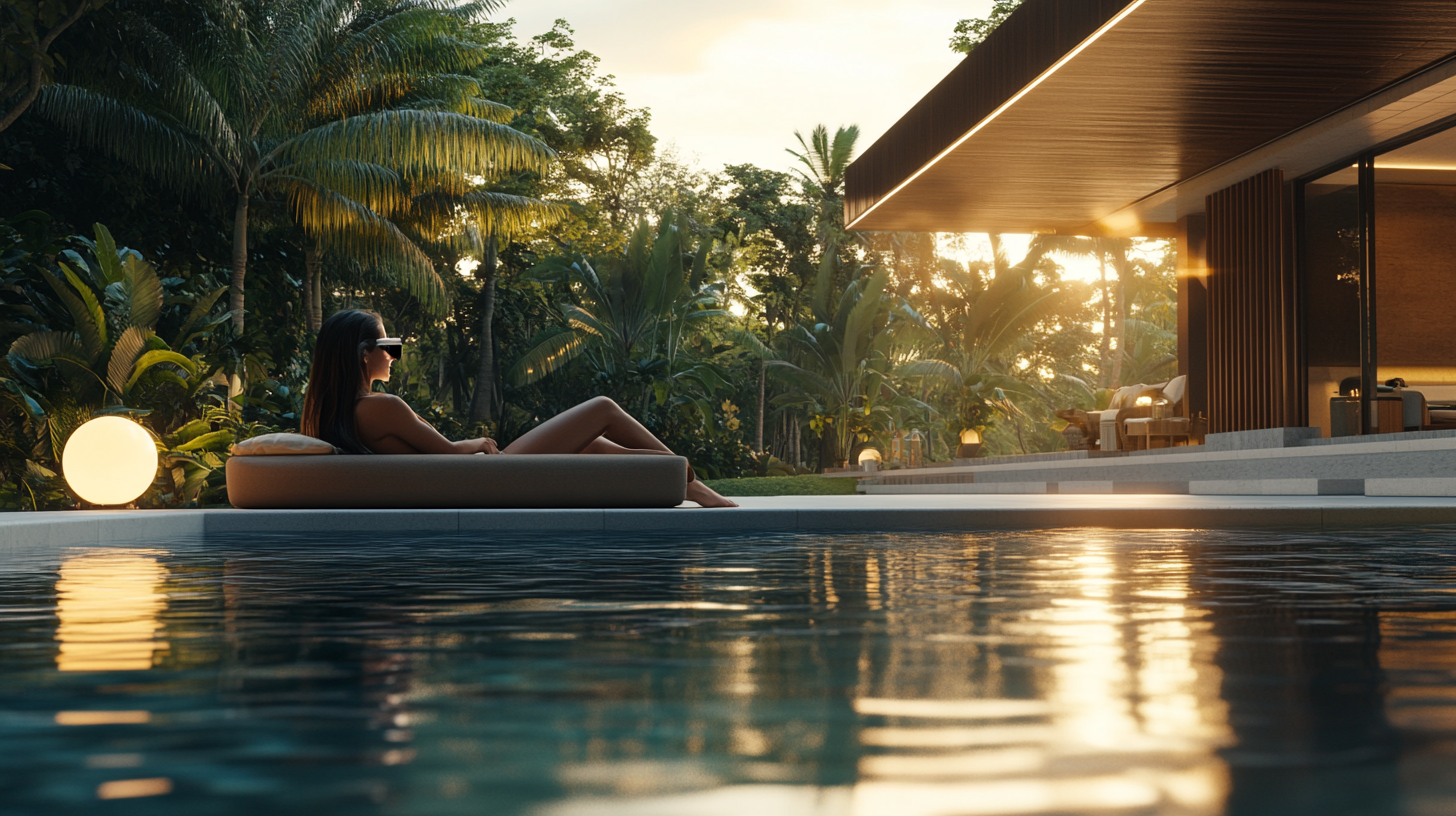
x=475 y=446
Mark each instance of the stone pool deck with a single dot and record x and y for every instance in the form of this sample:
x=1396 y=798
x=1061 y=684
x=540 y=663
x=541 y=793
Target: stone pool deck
x=767 y=514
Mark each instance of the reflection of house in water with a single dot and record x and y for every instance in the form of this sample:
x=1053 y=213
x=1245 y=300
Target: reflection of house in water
x=1303 y=683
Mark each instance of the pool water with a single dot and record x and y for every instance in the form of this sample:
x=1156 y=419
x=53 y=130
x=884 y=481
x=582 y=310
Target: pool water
x=1062 y=672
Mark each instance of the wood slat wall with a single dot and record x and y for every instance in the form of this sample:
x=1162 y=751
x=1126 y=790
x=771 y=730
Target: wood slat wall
x=1253 y=376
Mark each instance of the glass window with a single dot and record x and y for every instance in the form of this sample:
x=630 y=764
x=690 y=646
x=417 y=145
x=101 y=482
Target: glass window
x=1331 y=254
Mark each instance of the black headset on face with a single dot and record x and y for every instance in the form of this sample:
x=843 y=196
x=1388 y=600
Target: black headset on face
x=393 y=346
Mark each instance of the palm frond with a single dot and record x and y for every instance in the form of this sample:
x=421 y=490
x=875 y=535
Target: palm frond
x=431 y=141
x=126 y=132
x=379 y=188
x=930 y=368
x=86 y=314
x=199 y=309
x=750 y=341
x=45 y=348
x=378 y=243
x=805 y=379
x=142 y=292
x=550 y=351
x=129 y=348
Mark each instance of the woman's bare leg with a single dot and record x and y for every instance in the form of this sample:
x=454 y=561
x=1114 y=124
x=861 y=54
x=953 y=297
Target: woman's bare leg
x=572 y=430
x=599 y=425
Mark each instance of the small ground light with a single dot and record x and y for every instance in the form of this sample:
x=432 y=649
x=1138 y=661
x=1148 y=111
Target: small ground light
x=970 y=446
x=869 y=460
x=109 y=461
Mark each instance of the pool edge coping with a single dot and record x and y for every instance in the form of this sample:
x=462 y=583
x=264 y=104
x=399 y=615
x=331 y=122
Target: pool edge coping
x=73 y=528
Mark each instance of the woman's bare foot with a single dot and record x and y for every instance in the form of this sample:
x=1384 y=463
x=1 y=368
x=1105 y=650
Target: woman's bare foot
x=706 y=496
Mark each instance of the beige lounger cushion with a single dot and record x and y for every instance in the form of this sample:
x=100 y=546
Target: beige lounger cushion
x=282 y=444
x=419 y=481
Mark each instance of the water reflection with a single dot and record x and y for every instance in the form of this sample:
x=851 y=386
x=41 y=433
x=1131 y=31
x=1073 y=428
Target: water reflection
x=1124 y=709
x=1050 y=673
x=109 y=604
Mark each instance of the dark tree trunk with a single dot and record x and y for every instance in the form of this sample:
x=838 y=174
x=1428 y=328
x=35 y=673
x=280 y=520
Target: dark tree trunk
x=483 y=405
x=313 y=310
x=240 y=260
x=758 y=423
x=318 y=301
x=457 y=395
x=828 y=447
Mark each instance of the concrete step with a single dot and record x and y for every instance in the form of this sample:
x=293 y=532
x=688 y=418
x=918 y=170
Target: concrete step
x=1225 y=487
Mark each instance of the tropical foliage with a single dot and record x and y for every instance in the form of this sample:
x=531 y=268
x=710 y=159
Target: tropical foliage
x=508 y=212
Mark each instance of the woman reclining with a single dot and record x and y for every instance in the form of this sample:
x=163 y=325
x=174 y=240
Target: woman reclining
x=353 y=352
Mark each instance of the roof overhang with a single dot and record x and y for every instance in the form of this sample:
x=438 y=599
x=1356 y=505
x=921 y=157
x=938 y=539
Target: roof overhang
x=1075 y=111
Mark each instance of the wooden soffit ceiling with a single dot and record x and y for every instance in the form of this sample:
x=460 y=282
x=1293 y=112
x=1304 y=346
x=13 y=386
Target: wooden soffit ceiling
x=1075 y=109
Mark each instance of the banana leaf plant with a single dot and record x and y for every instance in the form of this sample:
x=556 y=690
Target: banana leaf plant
x=94 y=349
x=628 y=316
x=841 y=366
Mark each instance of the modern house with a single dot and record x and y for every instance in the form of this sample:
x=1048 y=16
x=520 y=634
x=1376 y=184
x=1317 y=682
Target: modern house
x=1303 y=153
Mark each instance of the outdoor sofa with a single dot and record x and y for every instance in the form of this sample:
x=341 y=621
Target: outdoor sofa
x=304 y=473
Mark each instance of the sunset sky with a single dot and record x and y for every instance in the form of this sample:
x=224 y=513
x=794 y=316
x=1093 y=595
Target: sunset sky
x=730 y=82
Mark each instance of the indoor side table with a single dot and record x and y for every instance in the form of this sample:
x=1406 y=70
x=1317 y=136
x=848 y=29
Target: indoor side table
x=1145 y=433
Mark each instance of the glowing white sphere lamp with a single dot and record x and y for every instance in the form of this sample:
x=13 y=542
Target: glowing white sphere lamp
x=109 y=460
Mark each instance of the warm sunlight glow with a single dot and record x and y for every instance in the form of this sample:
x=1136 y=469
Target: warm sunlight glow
x=109 y=605
x=110 y=460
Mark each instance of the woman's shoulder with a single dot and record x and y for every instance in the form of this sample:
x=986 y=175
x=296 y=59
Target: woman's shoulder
x=381 y=403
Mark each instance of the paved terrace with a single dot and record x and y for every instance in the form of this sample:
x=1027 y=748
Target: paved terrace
x=1274 y=462
x=770 y=514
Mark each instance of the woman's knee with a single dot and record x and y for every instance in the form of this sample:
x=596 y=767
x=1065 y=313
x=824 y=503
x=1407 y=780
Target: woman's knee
x=605 y=404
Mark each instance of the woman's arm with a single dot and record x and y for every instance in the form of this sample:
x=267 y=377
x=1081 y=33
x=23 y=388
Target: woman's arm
x=387 y=425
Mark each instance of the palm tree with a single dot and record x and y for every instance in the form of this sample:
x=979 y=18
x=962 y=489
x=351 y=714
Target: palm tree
x=823 y=165
x=476 y=225
x=346 y=111
x=983 y=335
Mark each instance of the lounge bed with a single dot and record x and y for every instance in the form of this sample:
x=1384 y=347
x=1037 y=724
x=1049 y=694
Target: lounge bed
x=332 y=481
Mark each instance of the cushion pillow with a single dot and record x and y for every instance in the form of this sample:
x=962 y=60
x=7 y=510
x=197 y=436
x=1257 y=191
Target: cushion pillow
x=281 y=444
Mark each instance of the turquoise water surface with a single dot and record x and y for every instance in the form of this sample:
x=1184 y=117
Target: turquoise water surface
x=1060 y=672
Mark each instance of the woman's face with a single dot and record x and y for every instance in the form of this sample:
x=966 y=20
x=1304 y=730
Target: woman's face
x=377 y=363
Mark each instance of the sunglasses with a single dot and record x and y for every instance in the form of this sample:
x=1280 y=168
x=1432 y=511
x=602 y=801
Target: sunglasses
x=393 y=346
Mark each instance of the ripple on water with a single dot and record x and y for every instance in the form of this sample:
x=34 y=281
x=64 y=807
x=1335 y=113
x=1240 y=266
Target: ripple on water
x=1054 y=672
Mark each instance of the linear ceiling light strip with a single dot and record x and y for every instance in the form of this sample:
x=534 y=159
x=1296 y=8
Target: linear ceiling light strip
x=1096 y=35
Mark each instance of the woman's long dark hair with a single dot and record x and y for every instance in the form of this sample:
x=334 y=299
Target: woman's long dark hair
x=337 y=377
